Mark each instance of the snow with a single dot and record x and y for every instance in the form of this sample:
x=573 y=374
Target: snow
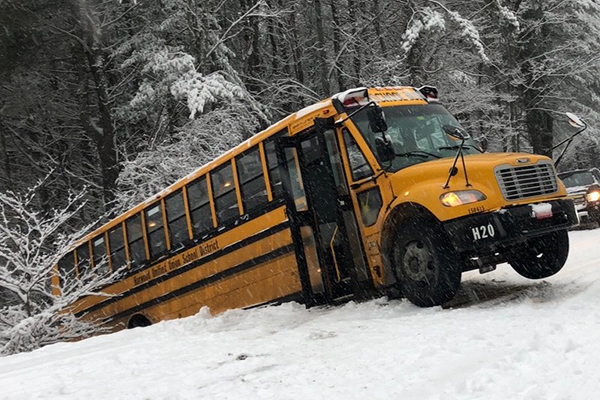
x=576 y=189
x=509 y=16
x=504 y=337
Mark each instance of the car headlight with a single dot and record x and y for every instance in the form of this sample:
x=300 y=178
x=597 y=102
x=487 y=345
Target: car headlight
x=593 y=196
x=461 y=197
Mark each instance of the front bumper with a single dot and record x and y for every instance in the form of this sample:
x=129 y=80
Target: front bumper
x=489 y=231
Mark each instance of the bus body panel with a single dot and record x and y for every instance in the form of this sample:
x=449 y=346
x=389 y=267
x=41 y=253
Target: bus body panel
x=258 y=258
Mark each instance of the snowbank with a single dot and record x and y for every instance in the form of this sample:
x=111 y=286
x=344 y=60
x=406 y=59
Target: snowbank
x=504 y=337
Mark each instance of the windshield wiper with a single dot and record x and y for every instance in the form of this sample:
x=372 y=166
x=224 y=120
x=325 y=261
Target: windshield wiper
x=417 y=153
x=457 y=147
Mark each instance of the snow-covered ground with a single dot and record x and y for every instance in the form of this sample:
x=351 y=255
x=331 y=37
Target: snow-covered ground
x=504 y=338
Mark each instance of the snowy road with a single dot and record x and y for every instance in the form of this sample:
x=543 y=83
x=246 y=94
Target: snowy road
x=505 y=338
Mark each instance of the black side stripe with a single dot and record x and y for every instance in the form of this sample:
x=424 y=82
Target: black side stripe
x=207 y=236
x=229 y=249
x=204 y=282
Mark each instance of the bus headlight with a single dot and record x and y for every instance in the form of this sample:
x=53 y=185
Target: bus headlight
x=461 y=197
x=593 y=196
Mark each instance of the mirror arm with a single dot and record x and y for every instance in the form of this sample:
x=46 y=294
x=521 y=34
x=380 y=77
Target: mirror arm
x=562 y=153
x=462 y=157
x=568 y=142
x=452 y=170
x=340 y=122
x=571 y=138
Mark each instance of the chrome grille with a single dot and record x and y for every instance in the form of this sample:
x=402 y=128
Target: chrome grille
x=526 y=181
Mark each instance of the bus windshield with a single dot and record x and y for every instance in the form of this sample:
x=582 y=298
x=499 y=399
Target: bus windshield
x=416 y=134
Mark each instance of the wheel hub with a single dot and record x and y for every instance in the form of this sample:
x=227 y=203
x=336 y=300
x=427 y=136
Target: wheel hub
x=418 y=262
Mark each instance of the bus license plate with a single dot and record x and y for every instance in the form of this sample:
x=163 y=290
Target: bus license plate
x=483 y=232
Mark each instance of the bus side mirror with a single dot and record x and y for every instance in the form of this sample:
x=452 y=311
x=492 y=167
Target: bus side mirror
x=575 y=121
x=376 y=119
x=385 y=148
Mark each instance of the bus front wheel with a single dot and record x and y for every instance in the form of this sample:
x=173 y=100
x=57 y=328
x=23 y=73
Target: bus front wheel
x=542 y=256
x=427 y=267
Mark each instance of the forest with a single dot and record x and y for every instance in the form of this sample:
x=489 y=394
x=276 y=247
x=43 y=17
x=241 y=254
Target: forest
x=109 y=101
x=121 y=98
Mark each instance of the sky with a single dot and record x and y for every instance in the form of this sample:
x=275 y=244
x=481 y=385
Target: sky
x=502 y=337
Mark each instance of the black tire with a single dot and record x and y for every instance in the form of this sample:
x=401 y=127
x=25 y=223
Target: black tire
x=542 y=256
x=426 y=265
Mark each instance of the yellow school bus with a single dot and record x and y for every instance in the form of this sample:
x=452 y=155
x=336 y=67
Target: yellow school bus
x=370 y=191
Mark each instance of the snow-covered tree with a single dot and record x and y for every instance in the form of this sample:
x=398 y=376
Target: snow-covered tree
x=31 y=243
x=198 y=142
x=88 y=86
x=190 y=97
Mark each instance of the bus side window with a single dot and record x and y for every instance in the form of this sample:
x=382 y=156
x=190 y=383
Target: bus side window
x=226 y=205
x=276 y=186
x=252 y=182
x=199 y=203
x=83 y=260
x=117 y=247
x=178 y=228
x=100 y=259
x=66 y=267
x=135 y=241
x=155 y=230
x=358 y=163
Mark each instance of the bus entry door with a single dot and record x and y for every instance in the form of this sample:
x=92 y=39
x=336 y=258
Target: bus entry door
x=326 y=237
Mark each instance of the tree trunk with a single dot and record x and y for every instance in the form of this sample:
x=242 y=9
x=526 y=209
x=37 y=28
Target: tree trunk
x=251 y=36
x=6 y=156
x=539 y=126
x=538 y=122
x=356 y=61
x=103 y=133
x=321 y=50
x=377 y=13
x=296 y=52
x=339 y=66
